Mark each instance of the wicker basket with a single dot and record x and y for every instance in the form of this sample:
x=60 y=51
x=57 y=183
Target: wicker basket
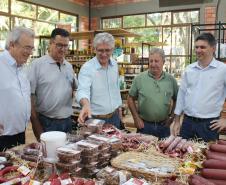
x=148 y=166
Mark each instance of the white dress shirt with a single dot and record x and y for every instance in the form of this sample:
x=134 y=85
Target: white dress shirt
x=15 y=105
x=202 y=90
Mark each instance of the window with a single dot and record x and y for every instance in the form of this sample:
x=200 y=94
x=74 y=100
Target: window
x=23 y=22
x=167 y=30
x=23 y=9
x=69 y=19
x=186 y=17
x=156 y=19
x=43 y=28
x=133 y=21
x=4 y=28
x=112 y=23
x=46 y=14
x=4 y=4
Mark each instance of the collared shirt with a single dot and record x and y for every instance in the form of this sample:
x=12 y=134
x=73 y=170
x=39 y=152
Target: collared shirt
x=52 y=86
x=154 y=96
x=202 y=90
x=15 y=105
x=100 y=86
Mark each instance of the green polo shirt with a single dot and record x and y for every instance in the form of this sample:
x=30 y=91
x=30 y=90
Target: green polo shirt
x=154 y=96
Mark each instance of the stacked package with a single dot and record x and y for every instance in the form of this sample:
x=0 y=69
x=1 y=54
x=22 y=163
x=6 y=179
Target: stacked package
x=69 y=159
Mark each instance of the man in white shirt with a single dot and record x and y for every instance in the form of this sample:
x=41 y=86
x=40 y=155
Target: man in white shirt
x=15 y=107
x=202 y=94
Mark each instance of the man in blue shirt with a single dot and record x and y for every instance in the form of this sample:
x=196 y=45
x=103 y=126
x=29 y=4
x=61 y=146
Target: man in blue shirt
x=202 y=94
x=98 y=84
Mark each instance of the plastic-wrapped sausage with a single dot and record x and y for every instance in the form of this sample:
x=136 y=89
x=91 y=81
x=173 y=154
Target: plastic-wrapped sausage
x=167 y=142
x=218 y=182
x=217 y=174
x=173 y=144
x=214 y=164
x=215 y=155
x=222 y=142
x=218 y=148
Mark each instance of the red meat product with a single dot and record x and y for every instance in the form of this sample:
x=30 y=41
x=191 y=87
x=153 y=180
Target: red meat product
x=218 y=182
x=197 y=180
x=167 y=142
x=186 y=145
x=214 y=164
x=173 y=144
x=222 y=142
x=216 y=155
x=217 y=174
x=180 y=144
x=218 y=148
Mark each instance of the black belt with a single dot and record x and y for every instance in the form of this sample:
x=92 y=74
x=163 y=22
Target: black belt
x=200 y=119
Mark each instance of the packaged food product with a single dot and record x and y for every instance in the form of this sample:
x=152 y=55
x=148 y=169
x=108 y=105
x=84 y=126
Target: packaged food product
x=67 y=154
x=73 y=138
x=87 y=147
x=86 y=159
x=104 y=157
x=90 y=166
x=68 y=166
x=95 y=125
x=112 y=176
x=116 y=143
x=100 y=138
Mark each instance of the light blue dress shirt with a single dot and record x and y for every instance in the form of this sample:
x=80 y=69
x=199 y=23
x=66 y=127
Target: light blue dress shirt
x=202 y=90
x=15 y=104
x=100 y=86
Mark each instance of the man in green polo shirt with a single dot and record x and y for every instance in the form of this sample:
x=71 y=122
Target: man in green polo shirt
x=156 y=93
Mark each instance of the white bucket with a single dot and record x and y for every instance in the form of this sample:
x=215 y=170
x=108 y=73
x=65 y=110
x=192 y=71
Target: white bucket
x=51 y=141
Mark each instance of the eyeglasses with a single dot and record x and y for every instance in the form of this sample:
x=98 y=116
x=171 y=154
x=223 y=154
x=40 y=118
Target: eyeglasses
x=104 y=51
x=27 y=48
x=61 y=46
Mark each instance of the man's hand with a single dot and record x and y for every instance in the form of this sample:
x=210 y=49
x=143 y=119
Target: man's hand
x=139 y=123
x=176 y=126
x=218 y=125
x=85 y=112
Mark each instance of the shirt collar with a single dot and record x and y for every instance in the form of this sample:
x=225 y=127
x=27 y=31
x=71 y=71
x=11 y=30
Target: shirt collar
x=52 y=61
x=213 y=64
x=99 y=66
x=10 y=60
x=152 y=76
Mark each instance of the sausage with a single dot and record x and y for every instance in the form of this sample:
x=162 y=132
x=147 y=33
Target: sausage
x=215 y=155
x=173 y=144
x=180 y=144
x=167 y=142
x=186 y=145
x=6 y=170
x=218 y=182
x=214 y=164
x=217 y=174
x=218 y=148
x=29 y=158
x=222 y=142
x=201 y=180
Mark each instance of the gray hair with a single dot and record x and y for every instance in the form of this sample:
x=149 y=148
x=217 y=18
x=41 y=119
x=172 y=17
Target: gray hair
x=15 y=34
x=104 y=37
x=158 y=51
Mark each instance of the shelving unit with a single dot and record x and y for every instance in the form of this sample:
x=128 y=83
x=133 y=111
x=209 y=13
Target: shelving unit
x=219 y=32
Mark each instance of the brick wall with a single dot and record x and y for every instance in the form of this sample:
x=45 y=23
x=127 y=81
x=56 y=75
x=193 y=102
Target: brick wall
x=81 y=2
x=210 y=16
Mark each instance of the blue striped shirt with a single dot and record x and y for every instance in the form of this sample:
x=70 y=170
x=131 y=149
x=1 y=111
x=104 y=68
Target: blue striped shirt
x=100 y=86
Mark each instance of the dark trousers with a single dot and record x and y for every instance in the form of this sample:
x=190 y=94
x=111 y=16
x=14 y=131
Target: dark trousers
x=7 y=141
x=52 y=124
x=159 y=130
x=198 y=129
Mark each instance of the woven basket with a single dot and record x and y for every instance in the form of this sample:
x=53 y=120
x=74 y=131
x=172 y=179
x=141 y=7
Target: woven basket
x=130 y=160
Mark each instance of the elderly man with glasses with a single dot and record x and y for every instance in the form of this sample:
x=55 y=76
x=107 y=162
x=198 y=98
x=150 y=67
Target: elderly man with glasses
x=98 y=84
x=15 y=106
x=52 y=85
